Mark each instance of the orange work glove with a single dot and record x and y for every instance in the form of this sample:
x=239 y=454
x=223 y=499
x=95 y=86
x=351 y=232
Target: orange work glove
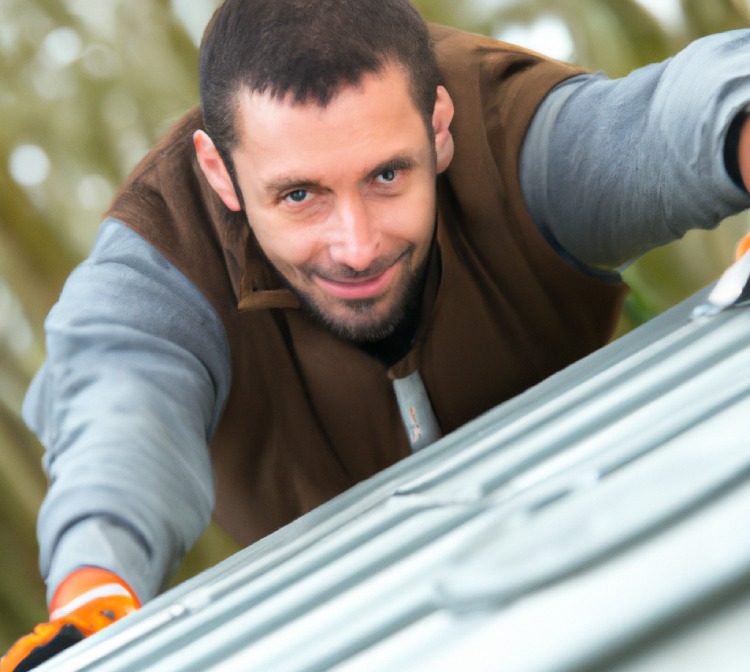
x=86 y=601
x=743 y=246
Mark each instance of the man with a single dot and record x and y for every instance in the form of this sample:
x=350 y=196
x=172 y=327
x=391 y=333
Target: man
x=362 y=245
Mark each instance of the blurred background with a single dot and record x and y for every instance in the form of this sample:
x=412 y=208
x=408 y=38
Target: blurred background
x=86 y=88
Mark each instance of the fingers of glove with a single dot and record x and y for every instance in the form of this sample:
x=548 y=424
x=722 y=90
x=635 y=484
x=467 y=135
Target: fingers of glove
x=46 y=641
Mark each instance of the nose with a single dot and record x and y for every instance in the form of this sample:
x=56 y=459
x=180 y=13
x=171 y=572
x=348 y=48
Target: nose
x=355 y=241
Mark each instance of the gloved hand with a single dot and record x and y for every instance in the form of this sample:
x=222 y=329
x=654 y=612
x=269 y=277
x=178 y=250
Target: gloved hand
x=87 y=601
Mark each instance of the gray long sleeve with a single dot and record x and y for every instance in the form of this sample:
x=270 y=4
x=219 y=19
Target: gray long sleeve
x=613 y=168
x=136 y=376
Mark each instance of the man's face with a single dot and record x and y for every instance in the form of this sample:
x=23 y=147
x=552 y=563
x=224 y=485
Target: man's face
x=342 y=198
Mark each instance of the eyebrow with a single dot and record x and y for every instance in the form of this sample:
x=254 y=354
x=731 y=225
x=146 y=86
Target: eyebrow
x=290 y=183
x=396 y=163
x=283 y=184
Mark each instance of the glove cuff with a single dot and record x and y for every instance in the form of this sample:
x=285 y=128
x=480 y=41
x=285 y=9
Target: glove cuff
x=84 y=585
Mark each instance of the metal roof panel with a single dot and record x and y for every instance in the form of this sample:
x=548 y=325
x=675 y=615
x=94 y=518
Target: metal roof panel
x=590 y=522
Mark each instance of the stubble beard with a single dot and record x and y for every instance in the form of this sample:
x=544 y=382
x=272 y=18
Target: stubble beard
x=359 y=329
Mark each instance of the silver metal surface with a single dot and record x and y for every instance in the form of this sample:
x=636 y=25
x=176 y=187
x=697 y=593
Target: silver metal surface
x=598 y=521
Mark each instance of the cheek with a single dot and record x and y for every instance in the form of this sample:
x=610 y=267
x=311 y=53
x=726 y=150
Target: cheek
x=414 y=216
x=287 y=247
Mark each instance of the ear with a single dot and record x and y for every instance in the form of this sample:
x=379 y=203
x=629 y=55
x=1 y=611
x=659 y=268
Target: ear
x=214 y=170
x=442 y=116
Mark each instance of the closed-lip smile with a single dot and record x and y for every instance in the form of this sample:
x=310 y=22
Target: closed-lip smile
x=359 y=288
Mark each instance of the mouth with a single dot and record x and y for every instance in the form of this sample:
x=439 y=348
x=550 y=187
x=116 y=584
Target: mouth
x=354 y=289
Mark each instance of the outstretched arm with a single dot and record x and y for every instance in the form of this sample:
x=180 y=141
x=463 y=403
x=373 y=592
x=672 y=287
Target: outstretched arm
x=134 y=383
x=613 y=168
x=133 y=387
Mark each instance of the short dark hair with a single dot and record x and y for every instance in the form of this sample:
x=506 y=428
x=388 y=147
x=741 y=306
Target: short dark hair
x=308 y=49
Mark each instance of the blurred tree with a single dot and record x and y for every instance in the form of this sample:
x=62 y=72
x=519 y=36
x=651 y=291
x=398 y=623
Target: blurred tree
x=81 y=102
x=87 y=87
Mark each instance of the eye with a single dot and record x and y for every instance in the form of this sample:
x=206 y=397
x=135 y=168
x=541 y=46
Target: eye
x=388 y=175
x=297 y=196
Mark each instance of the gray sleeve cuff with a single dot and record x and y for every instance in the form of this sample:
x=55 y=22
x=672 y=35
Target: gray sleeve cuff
x=105 y=543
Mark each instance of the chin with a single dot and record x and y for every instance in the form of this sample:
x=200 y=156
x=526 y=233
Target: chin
x=366 y=320
x=363 y=322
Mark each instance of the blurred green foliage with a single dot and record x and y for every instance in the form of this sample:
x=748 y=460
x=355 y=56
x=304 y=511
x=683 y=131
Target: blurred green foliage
x=87 y=86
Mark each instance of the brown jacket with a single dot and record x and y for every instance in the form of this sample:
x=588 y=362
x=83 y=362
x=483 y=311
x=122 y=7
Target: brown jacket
x=310 y=415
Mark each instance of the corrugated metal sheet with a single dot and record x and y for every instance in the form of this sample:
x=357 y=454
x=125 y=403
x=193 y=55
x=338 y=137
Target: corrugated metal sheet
x=599 y=521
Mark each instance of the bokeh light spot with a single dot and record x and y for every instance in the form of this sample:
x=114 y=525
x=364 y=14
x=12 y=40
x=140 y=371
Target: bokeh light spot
x=548 y=35
x=62 y=46
x=29 y=165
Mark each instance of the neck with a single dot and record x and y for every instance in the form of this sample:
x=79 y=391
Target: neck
x=394 y=347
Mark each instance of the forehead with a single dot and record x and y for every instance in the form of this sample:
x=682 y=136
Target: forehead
x=361 y=124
